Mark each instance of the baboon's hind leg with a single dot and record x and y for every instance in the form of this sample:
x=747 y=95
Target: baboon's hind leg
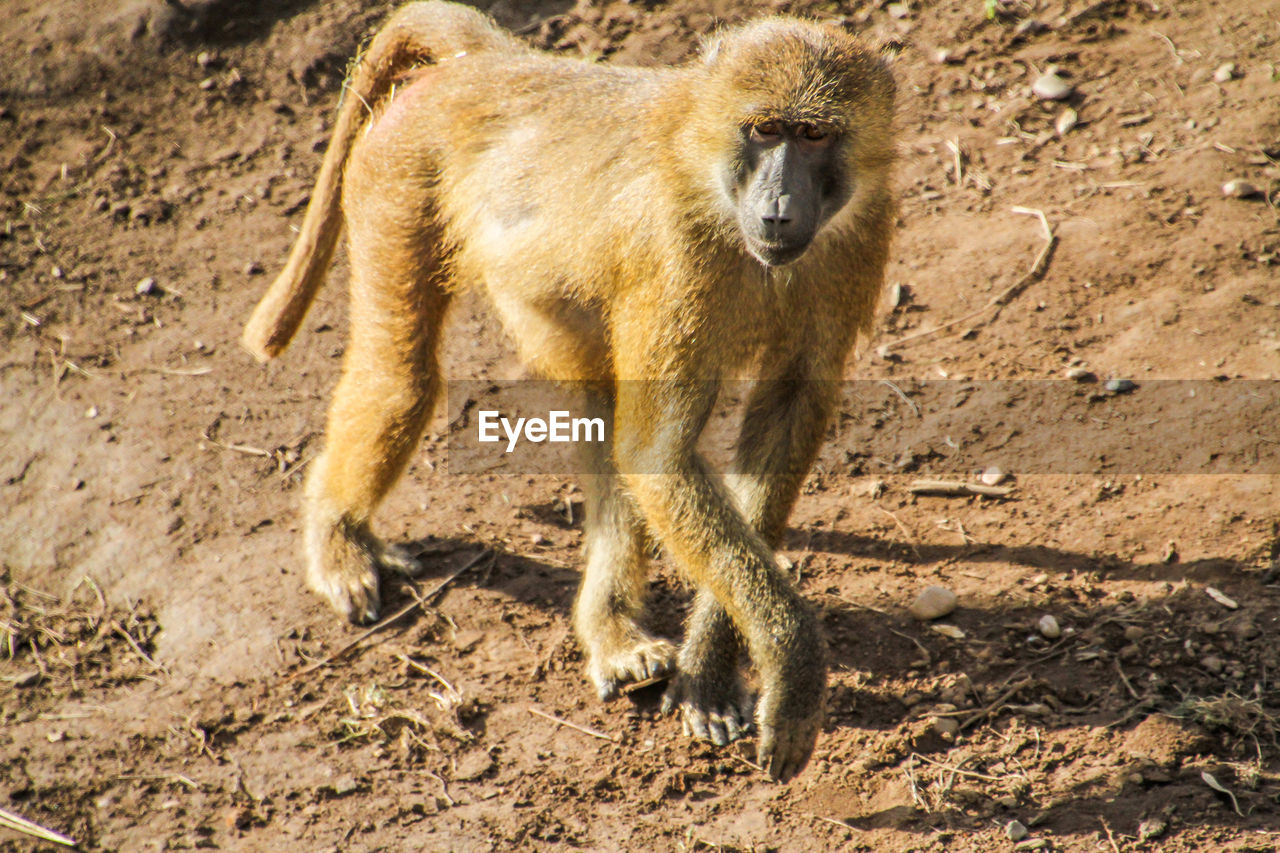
x=390 y=379
x=611 y=595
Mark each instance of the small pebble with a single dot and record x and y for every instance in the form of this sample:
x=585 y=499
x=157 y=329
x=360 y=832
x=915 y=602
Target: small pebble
x=947 y=727
x=205 y=59
x=1015 y=830
x=208 y=83
x=1134 y=633
x=1067 y=119
x=1240 y=189
x=1079 y=374
x=1048 y=627
x=1221 y=597
x=1119 y=386
x=949 y=631
x=1151 y=828
x=933 y=602
x=1050 y=87
x=539 y=539
x=897 y=10
x=1225 y=73
x=253 y=268
x=146 y=287
x=91 y=412
x=1213 y=663
x=27 y=679
x=993 y=476
x=56 y=272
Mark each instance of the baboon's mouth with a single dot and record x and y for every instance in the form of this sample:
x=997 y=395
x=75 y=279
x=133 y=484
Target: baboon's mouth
x=775 y=254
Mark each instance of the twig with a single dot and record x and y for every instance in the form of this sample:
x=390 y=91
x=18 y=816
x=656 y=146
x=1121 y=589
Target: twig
x=238 y=448
x=160 y=777
x=586 y=730
x=119 y=629
x=178 y=371
x=956 y=770
x=928 y=657
x=831 y=821
x=18 y=823
x=852 y=603
x=1177 y=57
x=907 y=531
x=954 y=145
x=444 y=787
x=1110 y=837
x=1125 y=680
x=956 y=488
x=399 y=614
x=994 y=706
x=895 y=389
x=633 y=686
x=1038 y=267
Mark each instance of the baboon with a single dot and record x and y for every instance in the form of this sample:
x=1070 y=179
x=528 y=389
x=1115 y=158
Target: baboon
x=646 y=232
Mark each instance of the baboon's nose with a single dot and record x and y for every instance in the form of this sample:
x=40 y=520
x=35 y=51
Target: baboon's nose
x=778 y=211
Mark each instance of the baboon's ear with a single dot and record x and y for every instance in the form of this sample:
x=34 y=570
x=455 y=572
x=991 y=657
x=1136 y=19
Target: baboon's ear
x=710 y=48
x=888 y=49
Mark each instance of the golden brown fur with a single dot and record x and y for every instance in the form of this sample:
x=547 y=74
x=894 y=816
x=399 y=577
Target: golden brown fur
x=609 y=214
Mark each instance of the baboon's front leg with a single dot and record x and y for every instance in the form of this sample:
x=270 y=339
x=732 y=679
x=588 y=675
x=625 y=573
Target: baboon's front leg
x=611 y=594
x=699 y=522
x=781 y=433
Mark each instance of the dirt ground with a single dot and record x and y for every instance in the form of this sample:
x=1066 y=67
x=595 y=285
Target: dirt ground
x=158 y=679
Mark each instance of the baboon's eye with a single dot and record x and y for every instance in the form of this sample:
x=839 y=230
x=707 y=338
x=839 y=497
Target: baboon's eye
x=813 y=133
x=766 y=130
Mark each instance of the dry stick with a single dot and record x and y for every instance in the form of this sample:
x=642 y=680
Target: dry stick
x=119 y=629
x=444 y=786
x=1037 y=269
x=399 y=614
x=633 y=686
x=18 y=823
x=895 y=389
x=831 y=821
x=1125 y=679
x=238 y=448
x=1110 y=837
x=586 y=730
x=906 y=531
x=972 y=774
x=919 y=645
x=957 y=488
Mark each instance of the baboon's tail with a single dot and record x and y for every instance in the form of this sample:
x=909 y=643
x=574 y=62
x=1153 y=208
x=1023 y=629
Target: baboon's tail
x=417 y=34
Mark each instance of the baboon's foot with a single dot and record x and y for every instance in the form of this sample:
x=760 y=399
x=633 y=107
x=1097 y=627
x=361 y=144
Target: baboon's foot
x=343 y=567
x=789 y=728
x=719 y=709
x=633 y=656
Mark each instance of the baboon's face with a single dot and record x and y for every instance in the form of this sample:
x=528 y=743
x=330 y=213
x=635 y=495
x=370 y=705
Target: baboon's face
x=790 y=180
